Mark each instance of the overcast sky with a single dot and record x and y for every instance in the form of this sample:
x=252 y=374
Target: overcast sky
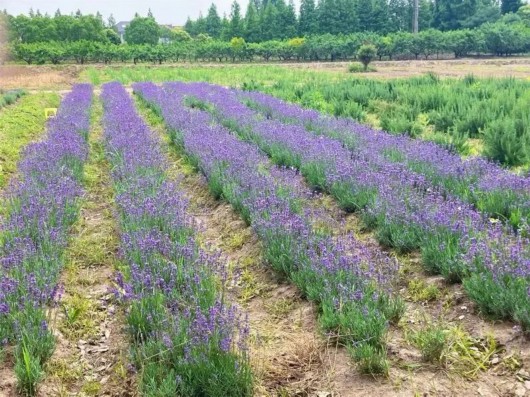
x=165 y=11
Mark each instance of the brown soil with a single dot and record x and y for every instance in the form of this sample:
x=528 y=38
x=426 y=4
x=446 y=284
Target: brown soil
x=45 y=77
x=7 y=376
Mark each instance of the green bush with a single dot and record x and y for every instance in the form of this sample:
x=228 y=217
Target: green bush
x=357 y=67
x=508 y=141
x=366 y=54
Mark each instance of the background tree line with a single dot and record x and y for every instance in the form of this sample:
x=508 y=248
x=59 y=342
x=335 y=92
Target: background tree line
x=492 y=38
x=38 y=38
x=277 y=20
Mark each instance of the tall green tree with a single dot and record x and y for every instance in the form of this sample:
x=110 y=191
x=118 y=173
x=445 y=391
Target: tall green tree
x=348 y=21
x=142 y=31
x=236 y=22
x=425 y=14
x=510 y=6
x=252 y=33
x=269 y=22
x=308 y=21
x=200 y=25
x=450 y=14
x=213 y=22
x=365 y=11
x=112 y=36
x=111 y=22
x=287 y=22
x=226 y=33
x=380 y=17
x=328 y=17
x=399 y=15
x=189 y=27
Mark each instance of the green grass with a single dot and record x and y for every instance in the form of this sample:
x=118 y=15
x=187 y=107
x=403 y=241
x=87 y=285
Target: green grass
x=232 y=75
x=19 y=125
x=451 y=347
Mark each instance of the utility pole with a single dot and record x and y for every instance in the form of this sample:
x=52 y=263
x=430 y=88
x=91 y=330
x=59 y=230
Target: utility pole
x=416 y=15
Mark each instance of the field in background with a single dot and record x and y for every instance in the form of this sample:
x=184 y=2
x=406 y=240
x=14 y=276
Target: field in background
x=61 y=76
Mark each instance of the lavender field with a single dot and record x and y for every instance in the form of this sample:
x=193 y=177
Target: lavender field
x=188 y=239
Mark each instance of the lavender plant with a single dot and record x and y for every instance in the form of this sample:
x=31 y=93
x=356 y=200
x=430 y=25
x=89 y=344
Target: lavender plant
x=351 y=283
x=42 y=203
x=186 y=339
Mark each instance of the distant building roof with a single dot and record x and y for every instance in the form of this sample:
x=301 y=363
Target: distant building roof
x=120 y=26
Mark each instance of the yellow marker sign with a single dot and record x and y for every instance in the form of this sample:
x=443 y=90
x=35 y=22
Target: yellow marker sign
x=50 y=112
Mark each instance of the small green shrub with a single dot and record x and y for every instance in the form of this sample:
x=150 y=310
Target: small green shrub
x=358 y=67
x=370 y=360
x=431 y=340
x=507 y=141
x=366 y=54
x=420 y=291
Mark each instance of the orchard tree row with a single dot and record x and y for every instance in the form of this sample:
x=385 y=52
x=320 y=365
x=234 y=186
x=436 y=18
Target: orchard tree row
x=495 y=39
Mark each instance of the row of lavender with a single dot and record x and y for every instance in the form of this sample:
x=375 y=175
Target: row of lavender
x=478 y=181
x=42 y=203
x=407 y=212
x=186 y=340
x=351 y=283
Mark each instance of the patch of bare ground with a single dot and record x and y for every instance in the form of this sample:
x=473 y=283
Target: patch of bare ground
x=7 y=376
x=90 y=358
x=41 y=77
x=480 y=67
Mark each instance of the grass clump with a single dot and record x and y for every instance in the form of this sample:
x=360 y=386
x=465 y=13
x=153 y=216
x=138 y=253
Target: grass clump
x=419 y=291
x=358 y=67
x=431 y=341
x=79 y=317
x=10 y=97
x=454 y=349
x=18 y=126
